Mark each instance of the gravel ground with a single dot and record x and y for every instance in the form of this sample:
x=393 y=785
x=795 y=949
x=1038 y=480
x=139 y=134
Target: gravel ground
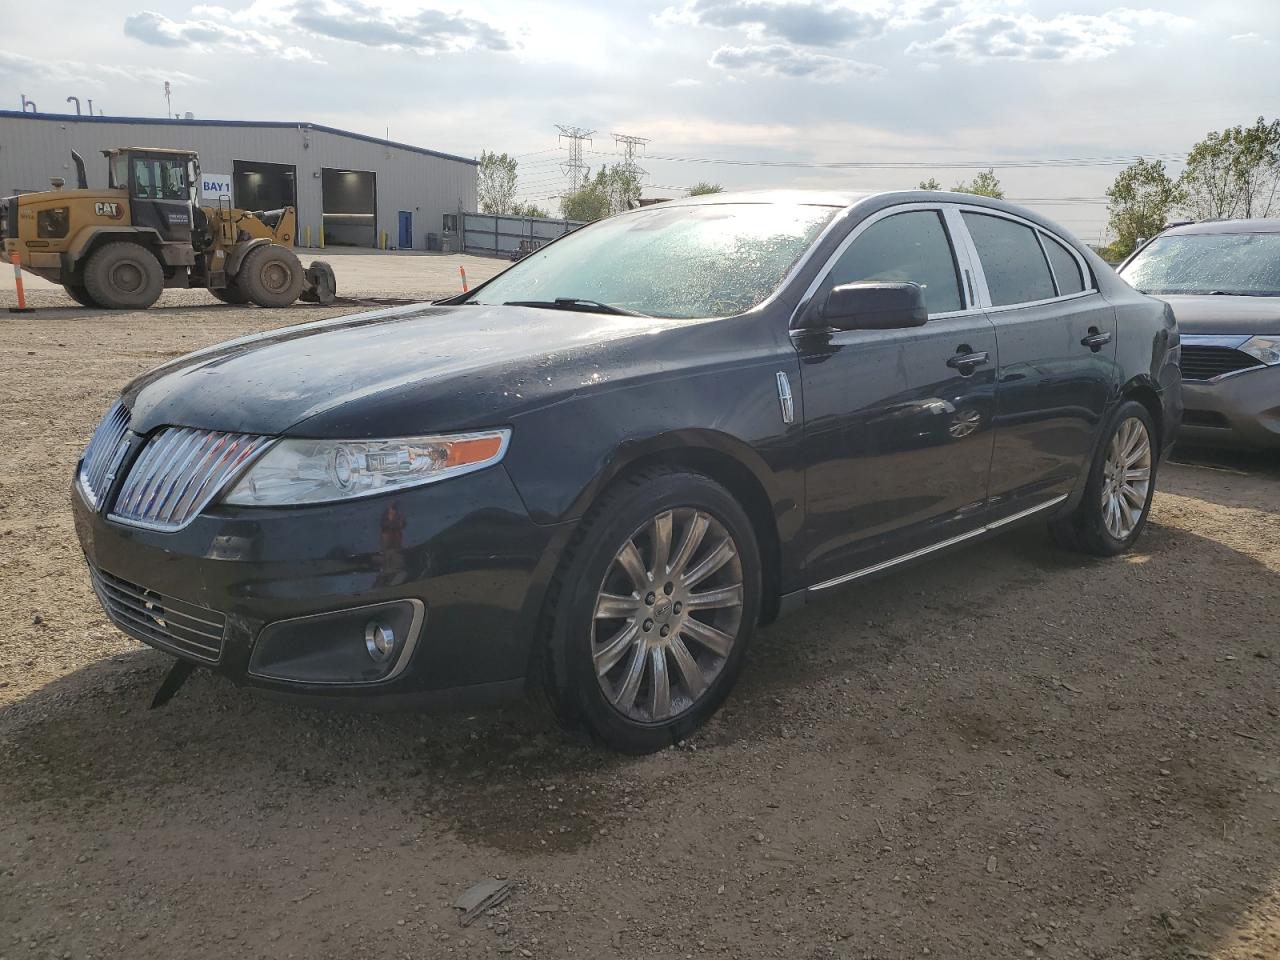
x=1008 y=752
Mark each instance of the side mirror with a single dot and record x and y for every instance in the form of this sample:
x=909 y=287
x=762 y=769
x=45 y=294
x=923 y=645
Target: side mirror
x=874 y=305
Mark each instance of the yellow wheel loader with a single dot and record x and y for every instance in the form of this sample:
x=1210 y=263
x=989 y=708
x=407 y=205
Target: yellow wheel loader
x=120 y=247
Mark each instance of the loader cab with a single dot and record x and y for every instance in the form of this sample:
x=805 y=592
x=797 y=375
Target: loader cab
x=161 y=185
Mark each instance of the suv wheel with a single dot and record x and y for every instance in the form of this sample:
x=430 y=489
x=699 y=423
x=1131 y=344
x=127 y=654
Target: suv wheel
x=652 y=611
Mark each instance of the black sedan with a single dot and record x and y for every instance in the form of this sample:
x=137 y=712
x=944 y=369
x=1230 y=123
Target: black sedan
x=598 y=472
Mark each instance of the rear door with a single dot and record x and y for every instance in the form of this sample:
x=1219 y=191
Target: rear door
x=1057 y=343
x=898 y=435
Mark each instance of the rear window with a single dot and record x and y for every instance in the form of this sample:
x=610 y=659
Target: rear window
x=1012 y=260
x=1066 y=268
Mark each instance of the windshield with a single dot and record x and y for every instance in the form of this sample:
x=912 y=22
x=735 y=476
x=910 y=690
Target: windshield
x=1241 y=264
x=711 y=260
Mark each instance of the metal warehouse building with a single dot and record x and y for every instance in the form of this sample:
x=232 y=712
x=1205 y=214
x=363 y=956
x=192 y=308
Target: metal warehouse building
x=349 y=189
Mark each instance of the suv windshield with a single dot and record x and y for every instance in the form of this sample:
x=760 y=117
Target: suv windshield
x=711 y=260
x=1241 y=264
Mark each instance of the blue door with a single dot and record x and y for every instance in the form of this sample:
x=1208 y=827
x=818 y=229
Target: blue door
x=406 y=230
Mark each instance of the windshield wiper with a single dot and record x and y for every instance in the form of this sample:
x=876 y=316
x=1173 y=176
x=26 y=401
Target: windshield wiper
x=576 y=303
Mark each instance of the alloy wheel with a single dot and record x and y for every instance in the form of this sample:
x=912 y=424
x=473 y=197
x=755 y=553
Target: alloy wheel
x=667 y=615
x=1126 y=478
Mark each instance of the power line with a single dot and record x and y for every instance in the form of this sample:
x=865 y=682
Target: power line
x=913 y=164
x=629 y=144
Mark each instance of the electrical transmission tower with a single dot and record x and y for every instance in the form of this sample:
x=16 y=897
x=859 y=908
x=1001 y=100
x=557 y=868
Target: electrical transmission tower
x=630 y=145
x=574 y=166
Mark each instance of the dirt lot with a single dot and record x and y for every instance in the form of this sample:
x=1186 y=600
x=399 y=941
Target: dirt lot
x=1010 y=752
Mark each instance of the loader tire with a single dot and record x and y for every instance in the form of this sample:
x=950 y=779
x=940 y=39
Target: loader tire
x=80 y=295
x=123 y=276
x=270 y=276
x=232 y=294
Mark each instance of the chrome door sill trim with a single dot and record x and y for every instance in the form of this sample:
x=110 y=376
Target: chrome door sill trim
x=886 y=564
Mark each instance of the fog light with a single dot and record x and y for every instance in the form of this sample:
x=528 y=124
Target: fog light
x=379 y=640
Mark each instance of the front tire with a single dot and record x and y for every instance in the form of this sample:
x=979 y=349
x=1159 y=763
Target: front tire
x=80 y=295
x=232 y=295
x=271 y=276
x=124 y=276
x=1122 y=481
x=652 y=610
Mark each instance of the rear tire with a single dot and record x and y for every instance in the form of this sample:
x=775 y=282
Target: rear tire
x=80 y=295
x=650 y=615
x=1117 y=496
x=123 y=276
x=232 y=294
x=270 y=276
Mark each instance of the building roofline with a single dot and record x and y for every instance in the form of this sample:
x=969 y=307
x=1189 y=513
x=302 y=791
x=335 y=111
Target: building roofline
x=271 y=124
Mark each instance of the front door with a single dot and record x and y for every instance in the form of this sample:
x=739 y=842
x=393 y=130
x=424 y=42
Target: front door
x=1057 y=374
x=406 y=230
x=160 y=193
x=898 y=432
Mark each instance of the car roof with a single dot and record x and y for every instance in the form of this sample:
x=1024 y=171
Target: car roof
x=1256 y=225
x=822 y=198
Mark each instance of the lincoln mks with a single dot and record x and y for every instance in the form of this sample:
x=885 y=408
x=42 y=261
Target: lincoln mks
x=594 y=475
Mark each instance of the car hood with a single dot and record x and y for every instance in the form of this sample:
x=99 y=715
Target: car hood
x=1251 y=316
x=405 y=370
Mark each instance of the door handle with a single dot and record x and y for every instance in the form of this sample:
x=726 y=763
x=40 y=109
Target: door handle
x=1096 y=339
x=966 y=361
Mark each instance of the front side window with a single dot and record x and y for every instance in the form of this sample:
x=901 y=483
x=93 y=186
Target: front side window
x=673 y=261
x=1015 y=266
x=1066 y=268
x=160 y=178
x=1239 y=264
x=911 y=247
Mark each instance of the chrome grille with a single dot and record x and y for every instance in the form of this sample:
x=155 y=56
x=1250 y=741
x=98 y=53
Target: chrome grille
x=107 y=448
x=178 y=472
x=165 y=622
x=1201 y=362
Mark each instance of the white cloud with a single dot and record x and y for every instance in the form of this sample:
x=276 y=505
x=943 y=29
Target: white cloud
x=782 y=60
x=207 y=34
x=815 y=24
x=686 y=82
x=424 y=30
x=1251 y=38
x=75 y=72
x=1068 y=37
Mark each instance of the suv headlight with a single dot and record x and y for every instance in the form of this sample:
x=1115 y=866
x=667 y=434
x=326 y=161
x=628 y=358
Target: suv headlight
x=297 y=471
x=1266 y=349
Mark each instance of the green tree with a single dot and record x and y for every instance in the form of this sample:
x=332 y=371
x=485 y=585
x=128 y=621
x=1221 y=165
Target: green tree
x=590 y=202
x=1139 y=203
x=1234 y=173
x=702 y=188
x=985 y=184
x=930 y=184
x=496 y=182
x=529 y=209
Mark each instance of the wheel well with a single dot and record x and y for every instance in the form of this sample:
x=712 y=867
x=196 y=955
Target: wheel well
x=1146 y=396
x=102 y=238
x=746 y=489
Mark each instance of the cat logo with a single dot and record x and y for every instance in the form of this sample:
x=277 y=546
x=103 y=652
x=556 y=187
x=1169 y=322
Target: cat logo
x=108 y=209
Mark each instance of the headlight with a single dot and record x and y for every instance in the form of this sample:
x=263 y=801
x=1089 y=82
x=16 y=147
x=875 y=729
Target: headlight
x=320 y=471
x=1266 y=349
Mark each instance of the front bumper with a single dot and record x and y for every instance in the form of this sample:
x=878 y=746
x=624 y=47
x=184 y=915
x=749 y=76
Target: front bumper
x=1238 y=410
x=463 y=552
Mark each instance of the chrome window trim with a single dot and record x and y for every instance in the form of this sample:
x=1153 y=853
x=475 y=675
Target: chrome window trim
x=984 y=292
x=402 y=662
x=959 y=252
x=924 y=551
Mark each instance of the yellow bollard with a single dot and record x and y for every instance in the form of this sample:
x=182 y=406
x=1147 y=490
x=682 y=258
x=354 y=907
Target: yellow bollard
x=322 y=236
x=308 y=240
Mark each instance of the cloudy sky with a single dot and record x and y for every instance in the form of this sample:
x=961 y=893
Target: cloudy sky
x=839 y=92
